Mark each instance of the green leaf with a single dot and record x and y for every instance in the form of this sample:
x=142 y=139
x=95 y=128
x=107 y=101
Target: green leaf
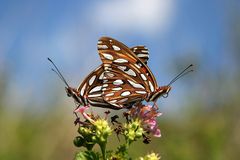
x=87 y=155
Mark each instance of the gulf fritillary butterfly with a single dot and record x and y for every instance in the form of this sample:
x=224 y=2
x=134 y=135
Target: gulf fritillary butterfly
x=123 y=79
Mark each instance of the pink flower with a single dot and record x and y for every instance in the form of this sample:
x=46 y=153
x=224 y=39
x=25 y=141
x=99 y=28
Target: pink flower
x=148 y=115
x=81 y=109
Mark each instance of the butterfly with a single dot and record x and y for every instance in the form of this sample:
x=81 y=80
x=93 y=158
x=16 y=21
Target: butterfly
x=122 y=80
x=89 y=91
x=127 y=79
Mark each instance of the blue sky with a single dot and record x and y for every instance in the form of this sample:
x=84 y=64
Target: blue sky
x=176 y=32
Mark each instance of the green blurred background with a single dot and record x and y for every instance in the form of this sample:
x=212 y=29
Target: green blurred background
x=201 y=115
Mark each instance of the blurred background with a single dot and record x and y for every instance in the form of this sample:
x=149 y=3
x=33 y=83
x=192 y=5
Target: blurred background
x=201 y=115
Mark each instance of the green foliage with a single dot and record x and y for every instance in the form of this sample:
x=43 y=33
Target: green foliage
x=87 y=155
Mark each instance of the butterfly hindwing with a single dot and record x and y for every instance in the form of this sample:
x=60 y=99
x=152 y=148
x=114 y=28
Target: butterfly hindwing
x=141 y=52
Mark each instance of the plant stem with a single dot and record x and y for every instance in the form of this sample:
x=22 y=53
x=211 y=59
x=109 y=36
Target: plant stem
x=103 y=149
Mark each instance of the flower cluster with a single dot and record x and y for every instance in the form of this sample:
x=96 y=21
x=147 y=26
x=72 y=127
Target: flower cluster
x=141 y=120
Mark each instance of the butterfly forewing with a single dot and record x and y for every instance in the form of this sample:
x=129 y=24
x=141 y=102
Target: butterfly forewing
x=123 y=66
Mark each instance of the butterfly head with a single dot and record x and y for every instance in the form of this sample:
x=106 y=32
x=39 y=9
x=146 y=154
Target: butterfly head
x=160 y=92
x=72 y=92
x=163 y=91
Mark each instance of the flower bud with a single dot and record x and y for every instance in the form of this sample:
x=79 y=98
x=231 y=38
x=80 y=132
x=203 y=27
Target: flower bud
x=152 y=156
x=78 y=141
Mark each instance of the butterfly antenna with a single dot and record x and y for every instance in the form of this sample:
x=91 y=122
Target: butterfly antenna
x=56 y=70
x=181 y=74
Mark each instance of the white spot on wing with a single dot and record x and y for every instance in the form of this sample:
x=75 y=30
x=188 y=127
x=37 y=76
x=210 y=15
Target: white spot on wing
x=122 y=67
x=109 y=94
x=95 y=89
x=141 y=92
x=126 y=93
x=94 y=95
x=105 y=85
x=109 y=74
x=92 y=80
x=108 y=56
x=130 y=72
x=144 y=51
x=142 y=55
x=118 y=82
x=101 y=76
x=120 y=60
x=83 y=89
x=117 y=89
x=143 y=77
x=136 y=85
x=151 y=86
x=116 y=48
